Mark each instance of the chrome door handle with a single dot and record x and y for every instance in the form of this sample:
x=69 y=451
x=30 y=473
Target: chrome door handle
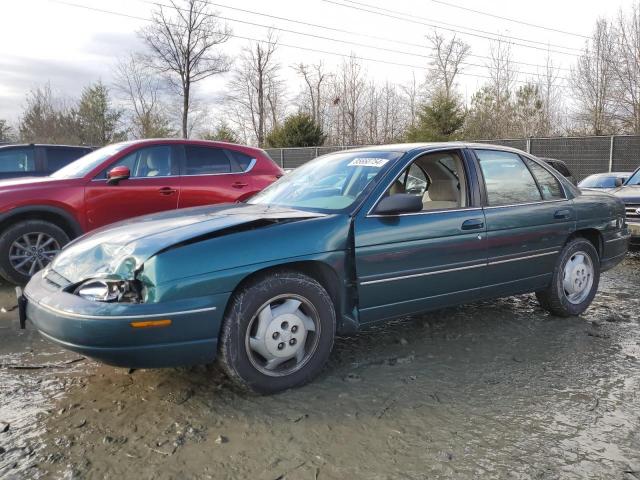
x=562 y=214
x=473 y=224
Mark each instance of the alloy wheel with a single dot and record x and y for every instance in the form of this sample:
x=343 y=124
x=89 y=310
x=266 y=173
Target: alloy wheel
x=32 y=252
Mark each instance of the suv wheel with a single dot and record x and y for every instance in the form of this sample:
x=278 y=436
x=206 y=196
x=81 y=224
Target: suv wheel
x=575 y=280
x=278 y=333
x=27 y=247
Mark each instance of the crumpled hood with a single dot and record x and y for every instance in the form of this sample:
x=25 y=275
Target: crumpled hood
x=629 y=194
x=123 y=247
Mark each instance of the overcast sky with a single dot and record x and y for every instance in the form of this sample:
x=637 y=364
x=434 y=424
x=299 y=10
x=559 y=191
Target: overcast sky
x=69 y=46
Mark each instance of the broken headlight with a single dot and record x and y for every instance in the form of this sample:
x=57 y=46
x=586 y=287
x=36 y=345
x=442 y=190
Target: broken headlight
x=110 y=290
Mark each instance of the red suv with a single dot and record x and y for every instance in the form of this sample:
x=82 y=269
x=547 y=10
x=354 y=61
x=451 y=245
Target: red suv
x=39 y=215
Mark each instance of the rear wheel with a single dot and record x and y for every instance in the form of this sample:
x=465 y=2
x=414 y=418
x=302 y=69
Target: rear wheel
x=575 y=280
x=27 y=247
x=278 y=333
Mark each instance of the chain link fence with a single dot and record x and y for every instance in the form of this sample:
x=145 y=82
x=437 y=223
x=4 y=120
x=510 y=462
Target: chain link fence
x=583 y=155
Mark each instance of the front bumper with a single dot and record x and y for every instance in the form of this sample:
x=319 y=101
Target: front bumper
x=105 y=331
x=634 y=230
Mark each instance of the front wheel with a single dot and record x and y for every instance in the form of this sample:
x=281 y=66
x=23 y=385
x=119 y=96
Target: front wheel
x=27 y=247
x=575 y=280
x=278 y=332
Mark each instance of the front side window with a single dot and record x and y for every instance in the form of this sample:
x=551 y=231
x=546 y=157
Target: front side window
x=438 y=178
x=328 y=184
x=17 y=160
x=146 y=162
x=206 y=161
x=507 y=179
x=549 y=185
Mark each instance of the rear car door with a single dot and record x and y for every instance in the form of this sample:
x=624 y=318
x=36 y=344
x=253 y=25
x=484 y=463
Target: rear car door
x=529 y=218
x=407 y=263
x=154 y=186
x=214 y=175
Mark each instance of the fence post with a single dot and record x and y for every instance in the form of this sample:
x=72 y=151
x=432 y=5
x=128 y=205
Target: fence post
x=611 y=154
x=528 y=144
x=282 y=157
x=316 y=152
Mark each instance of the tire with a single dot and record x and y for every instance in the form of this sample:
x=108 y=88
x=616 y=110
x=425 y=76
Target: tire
x=37 y=233
x=254 y=336
x=559 y=300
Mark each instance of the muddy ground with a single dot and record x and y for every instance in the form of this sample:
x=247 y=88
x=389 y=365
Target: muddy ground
x=496 y=389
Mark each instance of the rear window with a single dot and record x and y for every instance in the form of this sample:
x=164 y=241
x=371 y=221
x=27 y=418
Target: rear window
x=241 y=159
x=17 y=159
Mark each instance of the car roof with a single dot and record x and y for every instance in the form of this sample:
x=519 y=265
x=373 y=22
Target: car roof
x=188 y=141
x=43 y=145
x=410 y=147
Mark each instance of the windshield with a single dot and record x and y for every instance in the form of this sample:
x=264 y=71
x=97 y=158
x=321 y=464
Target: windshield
x=635 y=178
x=598 y=182
x=84 y=165
x=328 y=184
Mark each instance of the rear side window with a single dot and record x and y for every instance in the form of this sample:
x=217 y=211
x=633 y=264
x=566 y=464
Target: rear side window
x=59 y=157
x=206 y=160
x=549 y=185
x=241 y=159
x=508 y=181
x=20 y=159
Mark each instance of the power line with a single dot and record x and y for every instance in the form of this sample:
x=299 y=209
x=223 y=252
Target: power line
x=502 y=35
x=277 y=43
x=350 y=32
x=521 y=22
x=358 y=44
x=445 y=28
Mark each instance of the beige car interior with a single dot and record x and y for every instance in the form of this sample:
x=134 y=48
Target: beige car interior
x=445 y=182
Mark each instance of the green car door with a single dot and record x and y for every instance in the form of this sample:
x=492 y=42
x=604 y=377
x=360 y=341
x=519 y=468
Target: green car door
x=528 y=217
x=411 y=262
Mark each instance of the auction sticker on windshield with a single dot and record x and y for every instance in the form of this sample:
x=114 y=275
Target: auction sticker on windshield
x=368 y=162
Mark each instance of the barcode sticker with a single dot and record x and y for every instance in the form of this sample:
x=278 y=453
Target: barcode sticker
x=368 y=162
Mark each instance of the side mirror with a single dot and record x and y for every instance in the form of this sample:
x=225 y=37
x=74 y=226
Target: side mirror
x=619 y=182
x=117 y=173
x=399 y=203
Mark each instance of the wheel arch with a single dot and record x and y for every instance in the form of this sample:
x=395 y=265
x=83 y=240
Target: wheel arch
x=320 y=271
x=55 y=215
x=593 y=235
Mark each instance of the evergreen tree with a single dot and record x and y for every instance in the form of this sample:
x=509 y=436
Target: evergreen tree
x=298 y=130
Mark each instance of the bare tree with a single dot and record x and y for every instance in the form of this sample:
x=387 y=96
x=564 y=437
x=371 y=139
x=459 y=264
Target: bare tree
x=411 y=96
x=551 y=97
x=182 y=40
x=256 y=90
x=449 y=55
x=593 y=81
x=314 y=97
x=349 y=91
x=142 y=91
x=501 y=85
x=627 y=69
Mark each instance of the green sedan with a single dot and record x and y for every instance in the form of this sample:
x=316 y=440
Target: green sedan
x=265 y=286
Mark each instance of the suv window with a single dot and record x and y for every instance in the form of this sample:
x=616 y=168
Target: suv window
x=507 y=179
x=146 y=162
x=58 y=157
x=549 y=185
x=20 y=159
x=241 y=159
x=206 y=160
